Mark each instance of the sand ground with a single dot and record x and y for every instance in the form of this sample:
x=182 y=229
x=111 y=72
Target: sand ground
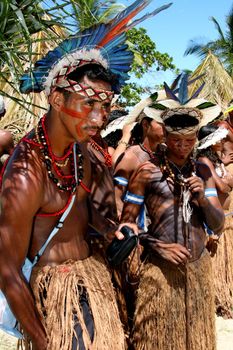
x=224 y=336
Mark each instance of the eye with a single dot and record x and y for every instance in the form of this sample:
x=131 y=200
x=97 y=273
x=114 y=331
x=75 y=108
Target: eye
x=106 y=106
x=90 y=103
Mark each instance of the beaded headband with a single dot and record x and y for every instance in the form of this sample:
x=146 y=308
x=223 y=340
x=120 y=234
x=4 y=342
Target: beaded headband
x=187 y=120
x=85 y=90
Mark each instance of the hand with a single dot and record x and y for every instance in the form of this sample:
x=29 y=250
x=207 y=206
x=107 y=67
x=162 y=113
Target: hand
x=120 y=235
x=212 y=244
x=174 y=252
x=227 y=158
x=196 y=187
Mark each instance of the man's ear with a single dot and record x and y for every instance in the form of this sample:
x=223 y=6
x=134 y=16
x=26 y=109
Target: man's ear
x=57 y=100
x=144 y=123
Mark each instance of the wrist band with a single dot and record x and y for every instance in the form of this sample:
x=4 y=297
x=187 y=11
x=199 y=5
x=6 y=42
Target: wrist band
x=123 y=143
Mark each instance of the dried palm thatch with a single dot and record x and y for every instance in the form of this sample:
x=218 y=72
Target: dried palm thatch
x=218 y=83
x=23 y=111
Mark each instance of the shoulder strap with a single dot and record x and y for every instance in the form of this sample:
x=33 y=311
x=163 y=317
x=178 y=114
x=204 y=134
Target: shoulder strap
x=63 y=217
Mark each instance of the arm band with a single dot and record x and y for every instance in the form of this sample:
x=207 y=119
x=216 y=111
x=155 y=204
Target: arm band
x=211 y=192
x=133 y=198
x=121 y=181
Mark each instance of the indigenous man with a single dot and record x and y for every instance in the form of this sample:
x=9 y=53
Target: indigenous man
x=150 y=135
x=70 y=302
x=175 y=306
x=211 y=142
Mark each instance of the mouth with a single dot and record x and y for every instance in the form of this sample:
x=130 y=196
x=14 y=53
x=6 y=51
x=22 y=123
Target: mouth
x=91 y=129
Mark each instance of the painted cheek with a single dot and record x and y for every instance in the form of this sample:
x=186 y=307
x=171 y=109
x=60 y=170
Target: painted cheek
x=79 y=129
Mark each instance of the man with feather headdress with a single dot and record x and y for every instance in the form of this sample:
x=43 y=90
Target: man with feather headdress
x=70 y=301
x=175 y=304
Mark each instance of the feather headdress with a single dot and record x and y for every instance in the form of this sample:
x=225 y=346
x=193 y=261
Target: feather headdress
x=183 y=114
x=135 y=115
x=103 y=44
x=213 y=138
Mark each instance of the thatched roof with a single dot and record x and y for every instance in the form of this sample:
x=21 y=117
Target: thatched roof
x=19 y=119
x=218 y=86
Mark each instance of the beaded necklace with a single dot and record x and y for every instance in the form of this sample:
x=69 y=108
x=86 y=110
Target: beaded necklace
x=69 y=182
x=183 y=188
x=104 y=152
x=147 y=150
x=177 y=177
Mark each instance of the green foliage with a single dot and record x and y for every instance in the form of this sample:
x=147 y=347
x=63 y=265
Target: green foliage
x=145 y=54
x=146 y=59
x=18 y=21
x=222 y=47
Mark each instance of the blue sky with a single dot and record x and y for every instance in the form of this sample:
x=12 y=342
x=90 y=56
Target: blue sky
x=172 y=29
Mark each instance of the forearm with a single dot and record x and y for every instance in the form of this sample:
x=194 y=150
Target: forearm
x=102 y=225
x=214 y=216
x=22 y=305
x=130 y=212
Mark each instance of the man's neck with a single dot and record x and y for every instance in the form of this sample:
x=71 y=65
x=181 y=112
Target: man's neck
x=151 y=145
x=58 y=139
x=176 y=160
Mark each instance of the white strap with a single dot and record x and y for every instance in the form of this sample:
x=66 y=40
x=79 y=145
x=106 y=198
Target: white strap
x=63 y=217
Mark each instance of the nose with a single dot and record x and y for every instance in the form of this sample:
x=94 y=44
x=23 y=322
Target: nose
x=183 y=144
x=97 y=116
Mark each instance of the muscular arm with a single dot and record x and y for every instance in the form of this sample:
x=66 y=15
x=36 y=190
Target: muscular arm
x=20 y=199
x=124 y=169
x=210 y=206
x=221 y=185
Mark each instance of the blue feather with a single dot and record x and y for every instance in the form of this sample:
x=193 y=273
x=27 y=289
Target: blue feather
x=183 y=89
x=114 y=50
x=148 y=15
x=170 y=94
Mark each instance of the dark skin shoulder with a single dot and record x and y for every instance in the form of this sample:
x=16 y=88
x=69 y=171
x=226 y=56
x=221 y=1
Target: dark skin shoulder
x=26 y=191
x=133 y=157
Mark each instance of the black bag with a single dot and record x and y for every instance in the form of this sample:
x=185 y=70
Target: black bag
x=118 y=250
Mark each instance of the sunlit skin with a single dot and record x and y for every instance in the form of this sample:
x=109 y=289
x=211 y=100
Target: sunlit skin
x=27 y=190
x=179 y=147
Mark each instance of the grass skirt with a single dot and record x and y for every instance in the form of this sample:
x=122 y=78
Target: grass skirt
x=172 y=314
x=56 y=290
x=223 y=271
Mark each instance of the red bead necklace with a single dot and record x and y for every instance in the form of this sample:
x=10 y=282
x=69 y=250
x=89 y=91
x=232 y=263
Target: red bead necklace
x=104 y=152
x=147 y=150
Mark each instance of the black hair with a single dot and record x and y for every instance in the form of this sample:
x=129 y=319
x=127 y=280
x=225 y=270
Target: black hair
x=207 y=152
x=113 y=138
x=137 y=132
x=181 y=121
x=94 y=72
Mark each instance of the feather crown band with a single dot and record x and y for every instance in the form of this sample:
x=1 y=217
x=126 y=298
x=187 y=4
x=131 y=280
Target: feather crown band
x=182 y=114
x=104 y=44
x=213 y=138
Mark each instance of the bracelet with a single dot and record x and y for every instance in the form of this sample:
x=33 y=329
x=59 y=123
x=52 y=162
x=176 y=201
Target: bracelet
x=123 y=143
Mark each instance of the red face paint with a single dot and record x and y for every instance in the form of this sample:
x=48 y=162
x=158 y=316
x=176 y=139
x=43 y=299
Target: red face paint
x=74 y=114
